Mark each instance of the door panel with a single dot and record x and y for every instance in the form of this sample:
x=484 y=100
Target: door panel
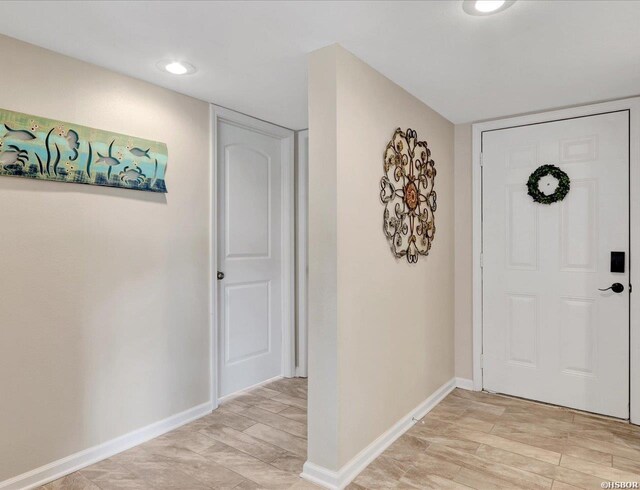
x=579 y=227
x=250 y=255
x=247 y=330
x=577 y=343
x=549 y=334
x=247 y=195
x=522 y=329
x=522 y=230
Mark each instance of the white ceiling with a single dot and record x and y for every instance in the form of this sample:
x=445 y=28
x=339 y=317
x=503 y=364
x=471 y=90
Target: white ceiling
x=251 y=56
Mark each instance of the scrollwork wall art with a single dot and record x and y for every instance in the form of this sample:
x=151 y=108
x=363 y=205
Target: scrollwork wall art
x=409 y=197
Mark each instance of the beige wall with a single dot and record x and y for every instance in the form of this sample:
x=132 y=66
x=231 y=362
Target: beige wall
x=104 y=322
x=463 y=252
x=393 y=329
x=322 y=261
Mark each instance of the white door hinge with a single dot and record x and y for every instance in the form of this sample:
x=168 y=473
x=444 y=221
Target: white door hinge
x=482 y=361
x=481 y=159
x=481 y=260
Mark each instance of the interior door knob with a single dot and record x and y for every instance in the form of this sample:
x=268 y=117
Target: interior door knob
x=220 y=276
x=616 y=287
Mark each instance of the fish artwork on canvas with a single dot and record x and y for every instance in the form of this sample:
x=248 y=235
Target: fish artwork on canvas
x=46 y=149
x=18 y=134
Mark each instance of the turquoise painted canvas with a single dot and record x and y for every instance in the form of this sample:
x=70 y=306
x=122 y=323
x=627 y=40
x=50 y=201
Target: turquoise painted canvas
x=45 y=149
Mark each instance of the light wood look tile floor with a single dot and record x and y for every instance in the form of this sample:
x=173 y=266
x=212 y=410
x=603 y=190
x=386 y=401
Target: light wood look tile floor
x=485 y=441
x=470 y=440
x=257 y=439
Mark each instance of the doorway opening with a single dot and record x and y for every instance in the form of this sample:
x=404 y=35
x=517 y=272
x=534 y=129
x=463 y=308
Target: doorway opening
x=253 y=252
x=551 y=322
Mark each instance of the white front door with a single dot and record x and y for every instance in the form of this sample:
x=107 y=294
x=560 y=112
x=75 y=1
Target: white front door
x=253 y=298
x=549 y=333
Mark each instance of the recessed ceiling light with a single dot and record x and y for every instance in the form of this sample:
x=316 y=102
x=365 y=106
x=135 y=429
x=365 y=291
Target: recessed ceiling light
x=176 y=67
x=485 y=7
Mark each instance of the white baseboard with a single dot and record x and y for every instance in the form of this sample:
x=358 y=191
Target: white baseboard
x=231 y=396
x=465 y=384
x=322 y=476
x=337 y=480
x=82 y=459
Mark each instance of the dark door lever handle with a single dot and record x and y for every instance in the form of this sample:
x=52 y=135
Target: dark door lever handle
x=616 y=287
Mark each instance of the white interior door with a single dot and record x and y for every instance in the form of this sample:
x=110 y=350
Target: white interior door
x=549 y=334
x=254 y=224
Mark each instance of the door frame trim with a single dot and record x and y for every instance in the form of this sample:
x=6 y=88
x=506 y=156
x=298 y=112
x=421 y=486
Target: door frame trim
x=302 y=259
x=631 y=104
x=286 y=136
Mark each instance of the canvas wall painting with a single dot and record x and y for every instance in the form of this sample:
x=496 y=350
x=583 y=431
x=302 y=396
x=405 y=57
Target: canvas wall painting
x=45 y=149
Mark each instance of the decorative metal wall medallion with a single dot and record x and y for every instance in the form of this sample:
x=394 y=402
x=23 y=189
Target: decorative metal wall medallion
x=408 y=194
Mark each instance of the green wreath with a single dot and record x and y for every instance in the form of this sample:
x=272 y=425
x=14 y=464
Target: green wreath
x=564 y=184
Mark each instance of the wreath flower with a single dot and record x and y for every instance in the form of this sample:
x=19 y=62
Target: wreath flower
x=533 y=184
x=408 y=194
